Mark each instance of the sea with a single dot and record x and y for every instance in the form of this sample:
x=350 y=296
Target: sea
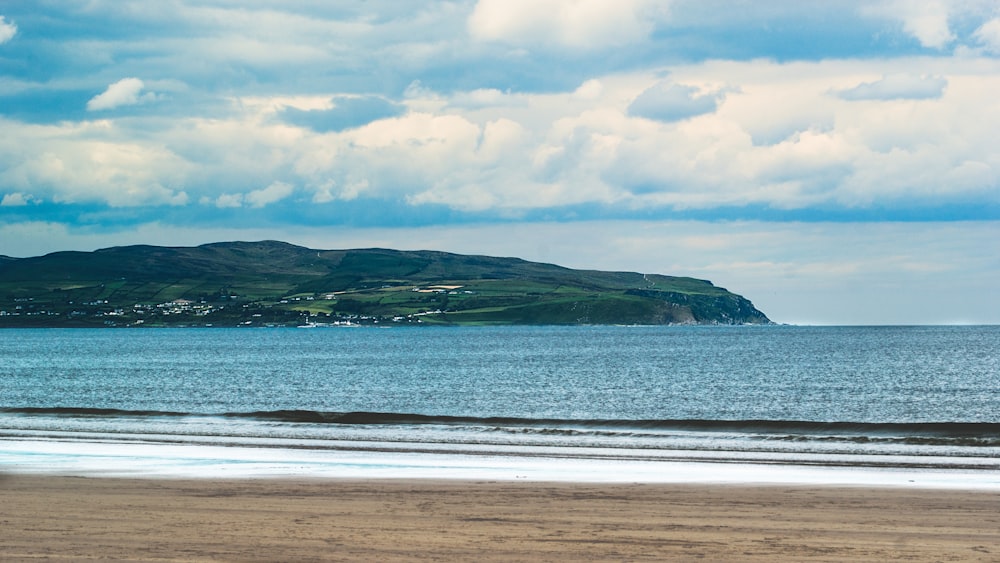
x=888 y=406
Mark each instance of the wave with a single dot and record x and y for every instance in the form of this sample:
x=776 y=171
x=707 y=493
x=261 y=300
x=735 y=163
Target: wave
x=808 y=429
x=89 y=412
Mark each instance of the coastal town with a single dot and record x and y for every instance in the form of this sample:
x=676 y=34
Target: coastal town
x=227 y=310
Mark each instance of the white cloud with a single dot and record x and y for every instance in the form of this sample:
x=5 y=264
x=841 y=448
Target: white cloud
x=275 y=192
x=925 y=20
x=229 y=200
x=125 y=92
x=939 y=24
x=328 y=191
x=578 y=24
x=7 y=30
x=589 y=90
x=988 y=35
x=263 y=197
x=929 y=24
x=897 y=86
x=832 y=152
x=273 y=104
x=16 y=199
x=90 y=162
x=777 y=139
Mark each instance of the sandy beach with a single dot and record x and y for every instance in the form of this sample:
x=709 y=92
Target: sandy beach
x=79 y=518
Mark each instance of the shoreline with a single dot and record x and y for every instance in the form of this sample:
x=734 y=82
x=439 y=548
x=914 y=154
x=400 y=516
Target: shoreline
x=314 y=519
x=89 y=458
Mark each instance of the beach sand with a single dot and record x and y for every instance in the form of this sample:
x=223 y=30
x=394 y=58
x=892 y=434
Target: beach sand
x=78 y=518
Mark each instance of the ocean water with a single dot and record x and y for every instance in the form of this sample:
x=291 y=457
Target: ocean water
x=593 y=403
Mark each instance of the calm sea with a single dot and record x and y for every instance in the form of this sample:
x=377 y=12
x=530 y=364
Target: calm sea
x=852 y=396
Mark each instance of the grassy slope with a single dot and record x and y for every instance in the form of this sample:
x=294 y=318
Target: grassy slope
x=372 y=282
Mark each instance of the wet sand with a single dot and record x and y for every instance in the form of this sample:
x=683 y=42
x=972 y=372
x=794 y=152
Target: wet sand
x=78 y=518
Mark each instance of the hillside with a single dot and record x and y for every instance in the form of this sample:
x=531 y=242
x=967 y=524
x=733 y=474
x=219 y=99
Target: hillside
x=275 y=283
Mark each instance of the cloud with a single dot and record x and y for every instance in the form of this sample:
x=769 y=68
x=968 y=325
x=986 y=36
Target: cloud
x=88 y=162
x=275 y=192
x=581 y=24
x=7 y=30
x=927 y=20
x=227 y=200
x=16 y=199
x=768 y=138
x=263 y=197
x=988 y=35
x=268 y=105
x=897 y=87
x=125 y=92
x=666 y=101
x=614 y=137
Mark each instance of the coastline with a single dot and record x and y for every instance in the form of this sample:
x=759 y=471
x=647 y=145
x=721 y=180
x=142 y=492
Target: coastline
x=98 y=456
x=56 y=517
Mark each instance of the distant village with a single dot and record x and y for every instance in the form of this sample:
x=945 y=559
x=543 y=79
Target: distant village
x=26 y=311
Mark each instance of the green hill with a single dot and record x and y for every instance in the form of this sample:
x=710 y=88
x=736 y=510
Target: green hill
x=275 y=283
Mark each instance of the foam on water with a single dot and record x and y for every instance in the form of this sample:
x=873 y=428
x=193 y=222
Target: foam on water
x=119 y=459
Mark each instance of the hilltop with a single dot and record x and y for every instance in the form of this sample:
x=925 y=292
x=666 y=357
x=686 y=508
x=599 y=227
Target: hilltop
x=276 y=283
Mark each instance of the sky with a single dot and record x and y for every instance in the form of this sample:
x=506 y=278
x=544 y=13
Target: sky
x=835 y=162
